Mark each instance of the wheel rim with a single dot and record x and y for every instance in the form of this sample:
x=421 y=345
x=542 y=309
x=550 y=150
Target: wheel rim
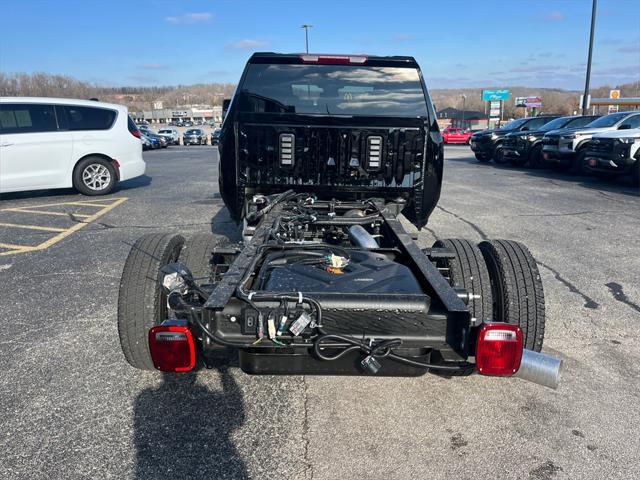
x=96 y=176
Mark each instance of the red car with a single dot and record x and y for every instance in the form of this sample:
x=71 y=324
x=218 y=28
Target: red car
x=456 y=135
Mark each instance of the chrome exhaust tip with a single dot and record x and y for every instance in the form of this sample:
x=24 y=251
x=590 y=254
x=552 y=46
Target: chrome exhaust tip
x=540 y=368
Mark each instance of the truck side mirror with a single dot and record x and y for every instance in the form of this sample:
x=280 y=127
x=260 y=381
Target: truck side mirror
x=624 y=127
x=225 y=105
x=524 y=129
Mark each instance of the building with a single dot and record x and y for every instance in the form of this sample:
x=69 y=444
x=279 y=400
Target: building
x=468 y=119
x=203 y=113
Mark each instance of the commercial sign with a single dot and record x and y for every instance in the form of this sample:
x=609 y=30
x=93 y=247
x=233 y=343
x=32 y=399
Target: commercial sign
x=179 y=114
x=614 y=94
x=494 y=109
x=531 y=102
x=491 y=95
x=521 y=101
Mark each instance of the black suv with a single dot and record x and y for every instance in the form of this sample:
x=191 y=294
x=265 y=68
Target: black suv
x=525 y=147
x=487 y=144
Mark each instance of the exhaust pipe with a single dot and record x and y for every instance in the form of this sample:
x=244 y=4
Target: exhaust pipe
x=361 y=238
x=540 y=368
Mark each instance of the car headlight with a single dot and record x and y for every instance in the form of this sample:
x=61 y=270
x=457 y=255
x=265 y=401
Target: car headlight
x=571 y=136
x=532 y=138
x=494 y=136
x=628 y=140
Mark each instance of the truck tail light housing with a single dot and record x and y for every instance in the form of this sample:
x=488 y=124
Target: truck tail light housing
x=374 y=151
x=499 y=349
x=172 y=348
x=287 y=148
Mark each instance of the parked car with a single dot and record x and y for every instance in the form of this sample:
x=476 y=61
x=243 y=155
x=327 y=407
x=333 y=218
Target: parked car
x=615 y=153
x=153 y=140
x=61 y=143
x=195 y=136
x=171 y=134
x=566 y=149
x=162 y=141
x=215 y=136
x=525 y=148
x=456 y=135
x=487 y=144
x=146 y=142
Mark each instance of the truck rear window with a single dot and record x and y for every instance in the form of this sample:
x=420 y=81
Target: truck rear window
x=333 y=90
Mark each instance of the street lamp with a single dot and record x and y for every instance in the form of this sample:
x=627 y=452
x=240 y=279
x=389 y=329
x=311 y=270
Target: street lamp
x=306 y=35
x=585 y=98
x=464 y=99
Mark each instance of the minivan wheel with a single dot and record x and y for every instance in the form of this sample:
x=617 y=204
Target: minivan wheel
x=94 y=176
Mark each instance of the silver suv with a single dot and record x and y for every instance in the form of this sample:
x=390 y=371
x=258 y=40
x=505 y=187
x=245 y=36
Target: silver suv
x=565 y=149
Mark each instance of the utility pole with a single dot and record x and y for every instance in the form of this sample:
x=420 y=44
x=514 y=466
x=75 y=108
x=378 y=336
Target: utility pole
x=306 y=35
x=585 y=98
x=464 y=99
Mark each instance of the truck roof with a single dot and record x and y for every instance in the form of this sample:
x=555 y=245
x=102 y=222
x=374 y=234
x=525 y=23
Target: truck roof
x=333 y=58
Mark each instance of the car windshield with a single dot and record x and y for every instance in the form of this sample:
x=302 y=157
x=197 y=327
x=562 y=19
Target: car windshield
x=579 y=122
x=513 y=124
x=607 y=120
x=333 y=90
x=192 y=132
x=555 y=124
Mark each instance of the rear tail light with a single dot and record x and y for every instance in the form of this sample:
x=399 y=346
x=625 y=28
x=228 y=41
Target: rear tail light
x=287 y=148
x=136 y=133
x=499 y=349
x=172 y=348
x=334 y=59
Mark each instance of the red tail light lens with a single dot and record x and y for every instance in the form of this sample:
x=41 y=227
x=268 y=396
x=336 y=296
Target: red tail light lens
x=172 y=348
x=499 y=349
x=136 y=133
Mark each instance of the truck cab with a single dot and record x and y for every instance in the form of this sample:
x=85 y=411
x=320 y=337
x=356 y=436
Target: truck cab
x=348 y=126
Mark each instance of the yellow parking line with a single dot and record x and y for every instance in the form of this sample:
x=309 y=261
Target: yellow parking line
x=64 y=233
x=32 y=227
x=44 y=212
x=11 y=246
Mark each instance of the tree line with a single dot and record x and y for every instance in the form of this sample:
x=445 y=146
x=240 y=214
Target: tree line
x=143 y=98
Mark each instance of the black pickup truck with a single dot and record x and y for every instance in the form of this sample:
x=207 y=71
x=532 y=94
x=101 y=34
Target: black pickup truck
x=488 y=144
x=319 y=157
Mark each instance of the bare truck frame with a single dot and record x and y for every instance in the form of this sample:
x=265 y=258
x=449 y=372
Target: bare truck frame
x=319 y=169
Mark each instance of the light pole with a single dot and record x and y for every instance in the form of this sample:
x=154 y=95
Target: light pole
x=464 y=99
x=306 y=35
x=585 y=98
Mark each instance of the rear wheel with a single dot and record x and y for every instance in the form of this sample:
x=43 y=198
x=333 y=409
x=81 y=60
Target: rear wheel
x=468 y=270
x=142 y=302
x=518 y=296
x=94 y=176
x=197 y=254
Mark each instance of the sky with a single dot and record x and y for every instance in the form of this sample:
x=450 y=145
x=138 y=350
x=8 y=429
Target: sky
x=470 y=43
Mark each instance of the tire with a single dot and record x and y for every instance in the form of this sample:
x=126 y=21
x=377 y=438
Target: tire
x=535 y=156
x=482 y=158
x=96 y=171
x=498 y=155
x=142 y=302
x=577 y=164
x=468 y=270
x=518 y=296
x=196 y=254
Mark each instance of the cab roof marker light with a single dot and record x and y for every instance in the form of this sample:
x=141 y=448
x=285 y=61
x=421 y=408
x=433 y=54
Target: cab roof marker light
x=334 y=59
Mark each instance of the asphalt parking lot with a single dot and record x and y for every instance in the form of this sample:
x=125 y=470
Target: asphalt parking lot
x=72 y=408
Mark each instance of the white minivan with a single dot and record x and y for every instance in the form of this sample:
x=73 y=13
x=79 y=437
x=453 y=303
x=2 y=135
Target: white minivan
x=61 y=143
